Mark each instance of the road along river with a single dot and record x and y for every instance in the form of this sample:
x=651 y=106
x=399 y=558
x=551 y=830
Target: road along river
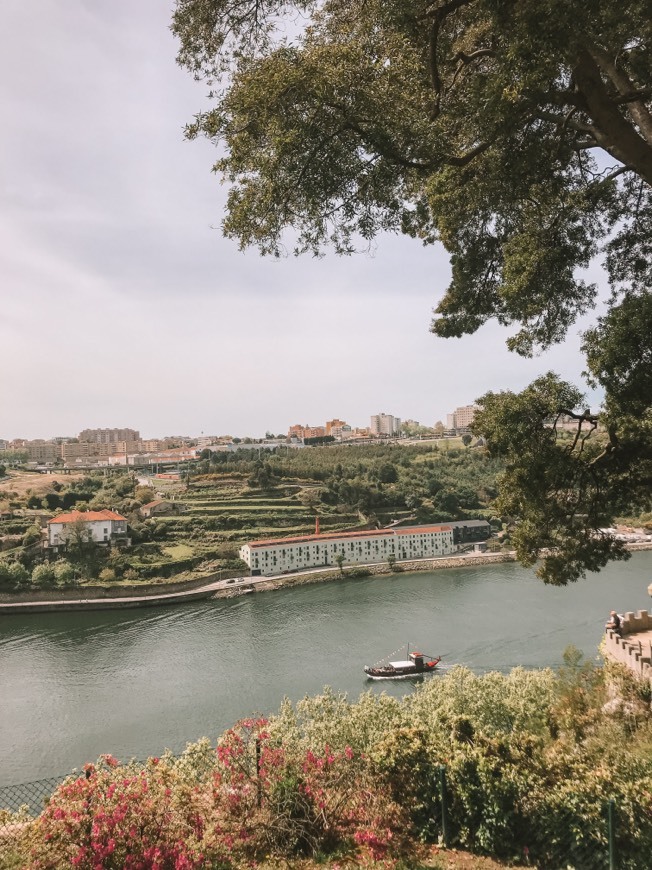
x=74 y=685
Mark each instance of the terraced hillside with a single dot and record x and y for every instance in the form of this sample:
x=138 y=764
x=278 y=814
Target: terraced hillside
x=233 y=499
x=223 y=513
x=230 y=497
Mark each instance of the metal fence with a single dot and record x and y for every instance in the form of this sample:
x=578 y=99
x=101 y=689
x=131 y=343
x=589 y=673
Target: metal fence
x=31 y=795
x=617 y=842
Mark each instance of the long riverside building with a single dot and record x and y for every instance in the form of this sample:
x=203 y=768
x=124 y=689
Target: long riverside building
x=281 y=555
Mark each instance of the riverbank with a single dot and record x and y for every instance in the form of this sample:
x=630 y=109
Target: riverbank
x=382 y=568
x=118 y=598
x=216 y=586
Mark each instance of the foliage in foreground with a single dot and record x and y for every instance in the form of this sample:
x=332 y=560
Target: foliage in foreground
x=518 y=134
x=531 y=759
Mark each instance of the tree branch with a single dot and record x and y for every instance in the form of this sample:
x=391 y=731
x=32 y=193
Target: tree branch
x=645 y=94
x=386 y=149
x=564 y=121
x=611 y=130
x=439 y=15
x=627 y=90
x=464 y=159
x=466 y=59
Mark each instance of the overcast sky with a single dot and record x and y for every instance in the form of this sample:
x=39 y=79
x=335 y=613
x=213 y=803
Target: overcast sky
x=122 y=305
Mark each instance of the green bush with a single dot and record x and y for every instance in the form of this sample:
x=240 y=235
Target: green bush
x=107 y=575
x=64 y=573
x=43 y=575
x=32 y=536
x=13 y=575
x=358 y=573
x=531 y=760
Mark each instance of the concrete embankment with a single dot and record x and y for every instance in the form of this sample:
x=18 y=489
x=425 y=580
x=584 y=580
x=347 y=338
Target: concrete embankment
x=408 y=567
x=98 y=591
x=114 y=597
x=106 y=603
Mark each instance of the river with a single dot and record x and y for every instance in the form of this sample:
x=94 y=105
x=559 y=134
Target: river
x=74 y=685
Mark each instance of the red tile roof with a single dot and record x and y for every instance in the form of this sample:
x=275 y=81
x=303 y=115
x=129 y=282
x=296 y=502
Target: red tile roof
x=332 y=536
x=87 y=517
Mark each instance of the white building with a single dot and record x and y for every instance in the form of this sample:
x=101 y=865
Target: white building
x=461 y=418
x=100 y=527
x=385 y=424
x=280 y=555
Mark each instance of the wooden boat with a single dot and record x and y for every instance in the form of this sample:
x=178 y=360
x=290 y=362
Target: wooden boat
x=417 y=664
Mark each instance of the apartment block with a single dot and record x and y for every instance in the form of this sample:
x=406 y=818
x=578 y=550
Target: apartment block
x=461 y=418
x=109 y=436
x=385 y=424
x=334 y=424
x=42 y=451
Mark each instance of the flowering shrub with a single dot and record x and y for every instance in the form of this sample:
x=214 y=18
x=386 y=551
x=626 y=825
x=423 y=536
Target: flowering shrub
x=303 y=801
x=122 y=817
x=252 y=799
x=531 y=760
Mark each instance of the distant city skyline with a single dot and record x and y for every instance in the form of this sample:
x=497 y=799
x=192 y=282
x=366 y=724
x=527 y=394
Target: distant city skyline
x=136 y=432
x=123 y=304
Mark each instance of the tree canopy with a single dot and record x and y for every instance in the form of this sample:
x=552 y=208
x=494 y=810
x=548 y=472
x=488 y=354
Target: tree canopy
x=518 y=133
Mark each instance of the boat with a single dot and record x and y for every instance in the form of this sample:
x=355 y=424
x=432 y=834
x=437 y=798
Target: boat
x=417 y=664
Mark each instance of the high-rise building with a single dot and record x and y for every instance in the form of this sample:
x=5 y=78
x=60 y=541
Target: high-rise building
x=42 y=451
x=297 y=431
x=385 y=424
x=334 y=424
x=461 y=418
x=314 y=432
x=109 y=436
x=300 y=432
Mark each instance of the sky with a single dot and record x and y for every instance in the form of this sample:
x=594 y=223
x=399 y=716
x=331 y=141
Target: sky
x=121 y=304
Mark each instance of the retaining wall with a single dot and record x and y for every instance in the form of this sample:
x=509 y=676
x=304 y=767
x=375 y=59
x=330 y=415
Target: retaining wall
x=374 y=568
x=134 y=590
x=105 y=603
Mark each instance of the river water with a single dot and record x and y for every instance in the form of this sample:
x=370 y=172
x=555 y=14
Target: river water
x=75 y=685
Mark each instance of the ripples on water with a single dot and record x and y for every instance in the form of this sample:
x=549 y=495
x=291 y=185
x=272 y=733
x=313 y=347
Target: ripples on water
x=74 y=685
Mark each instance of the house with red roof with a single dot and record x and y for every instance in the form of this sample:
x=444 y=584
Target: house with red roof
x=104 y=528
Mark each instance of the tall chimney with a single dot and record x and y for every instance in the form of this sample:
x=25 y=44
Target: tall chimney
x=316 y=525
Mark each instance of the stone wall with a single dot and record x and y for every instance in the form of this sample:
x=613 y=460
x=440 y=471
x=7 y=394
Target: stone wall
x=629 y=650
x=117 y=591
x=301 y=579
